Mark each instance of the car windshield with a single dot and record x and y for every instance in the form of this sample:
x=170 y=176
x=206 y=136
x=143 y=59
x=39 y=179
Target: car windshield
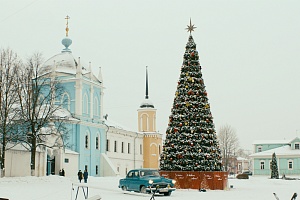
x=150 y=173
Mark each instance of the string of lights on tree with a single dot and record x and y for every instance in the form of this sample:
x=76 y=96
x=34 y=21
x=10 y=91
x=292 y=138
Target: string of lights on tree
x=191 y=142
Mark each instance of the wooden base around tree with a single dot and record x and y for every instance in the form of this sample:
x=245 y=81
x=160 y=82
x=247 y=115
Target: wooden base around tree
x=215 y=180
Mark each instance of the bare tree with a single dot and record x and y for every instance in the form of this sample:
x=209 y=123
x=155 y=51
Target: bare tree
x=9 y=65
x=229 y=143
x=39 y=94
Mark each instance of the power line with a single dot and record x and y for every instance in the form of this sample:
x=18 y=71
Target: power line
x=18 y=10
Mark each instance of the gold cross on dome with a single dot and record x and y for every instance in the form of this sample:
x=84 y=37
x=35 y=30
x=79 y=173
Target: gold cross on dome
x=67 y=28
x=190 y=27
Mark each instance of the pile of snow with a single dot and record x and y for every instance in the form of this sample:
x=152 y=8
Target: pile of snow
x=62 y=188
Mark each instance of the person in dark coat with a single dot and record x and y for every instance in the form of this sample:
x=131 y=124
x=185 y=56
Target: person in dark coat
x=85 y=176
x=79 y=174
x=63 y=172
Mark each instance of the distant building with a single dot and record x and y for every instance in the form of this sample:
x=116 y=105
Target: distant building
x=242 y=164
x=287 y=154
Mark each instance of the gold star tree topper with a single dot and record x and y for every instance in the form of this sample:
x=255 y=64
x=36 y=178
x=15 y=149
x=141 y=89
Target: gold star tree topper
x=190 y=27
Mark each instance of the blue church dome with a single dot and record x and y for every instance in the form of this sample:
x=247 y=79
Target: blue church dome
x=66 y=42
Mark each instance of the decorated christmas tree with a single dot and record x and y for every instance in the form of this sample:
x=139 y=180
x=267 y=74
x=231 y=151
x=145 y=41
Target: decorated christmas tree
x=274 y=167
x=191 y=141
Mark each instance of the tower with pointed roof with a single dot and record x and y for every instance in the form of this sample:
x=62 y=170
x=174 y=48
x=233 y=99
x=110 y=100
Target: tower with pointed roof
x=147 y=125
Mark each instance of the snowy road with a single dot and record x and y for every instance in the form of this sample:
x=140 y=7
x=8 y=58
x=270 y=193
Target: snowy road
x=60 y=188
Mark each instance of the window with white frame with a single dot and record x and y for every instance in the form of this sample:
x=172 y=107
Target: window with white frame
x=297 y=146
x=86 y=139
x=259 y=149
x=262 y=164
x=141 y=149
x=128 y=148
x=41 y=100
x=115 y=146
x=96 y=106
x=65 y=101
x=122 y=147
x=107 y=145
x=97 y=141
x=85 y=104
x=290 y=164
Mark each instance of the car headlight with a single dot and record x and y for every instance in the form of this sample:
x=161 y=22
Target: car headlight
x=150 y=182
x=173 y=181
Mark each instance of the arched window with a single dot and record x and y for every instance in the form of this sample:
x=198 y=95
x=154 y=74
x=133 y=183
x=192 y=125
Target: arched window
x=85 y=104
x=96 y=107
x=65 y=101
x=87 y=140
x=153 y=149
x=144 y=122
x=97 y=142
x=40 y=100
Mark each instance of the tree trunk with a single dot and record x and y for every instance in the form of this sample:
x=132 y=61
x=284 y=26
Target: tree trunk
x=33 y=151
x=2 y=160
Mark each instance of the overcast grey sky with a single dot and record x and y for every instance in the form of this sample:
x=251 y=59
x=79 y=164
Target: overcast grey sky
x=249 y=53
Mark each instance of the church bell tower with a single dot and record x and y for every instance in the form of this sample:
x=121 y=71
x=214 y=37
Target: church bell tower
x=152 y=142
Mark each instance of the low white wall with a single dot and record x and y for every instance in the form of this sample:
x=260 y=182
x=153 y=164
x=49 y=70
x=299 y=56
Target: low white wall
x=17 y=163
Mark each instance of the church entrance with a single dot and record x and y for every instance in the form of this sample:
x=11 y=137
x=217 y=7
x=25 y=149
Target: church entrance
x=50 y=166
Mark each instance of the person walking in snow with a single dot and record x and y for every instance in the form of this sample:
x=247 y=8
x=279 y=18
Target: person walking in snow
x=63 y=172
x=79 y=174
x=85 y=175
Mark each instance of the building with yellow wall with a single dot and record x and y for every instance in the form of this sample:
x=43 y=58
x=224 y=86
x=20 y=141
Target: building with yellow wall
x=152 y=142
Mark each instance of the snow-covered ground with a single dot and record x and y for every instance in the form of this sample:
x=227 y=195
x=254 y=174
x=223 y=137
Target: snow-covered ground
x=60 y=188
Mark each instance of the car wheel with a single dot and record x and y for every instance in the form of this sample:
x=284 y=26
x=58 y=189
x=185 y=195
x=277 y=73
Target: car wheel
x=124 y=188
x=143 y=189
x=167 y=193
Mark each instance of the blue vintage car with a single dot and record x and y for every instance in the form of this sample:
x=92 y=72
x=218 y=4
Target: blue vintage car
x=147 y=181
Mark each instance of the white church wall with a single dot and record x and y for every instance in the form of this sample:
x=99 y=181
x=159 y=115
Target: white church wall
x=125 y=149
x=70 y=163
x=108 y=166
